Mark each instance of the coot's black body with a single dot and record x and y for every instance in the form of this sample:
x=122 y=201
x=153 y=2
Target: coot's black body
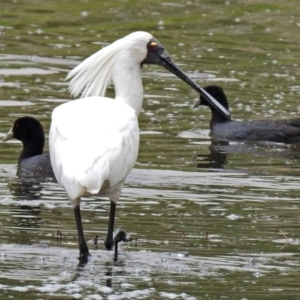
x=280 y=131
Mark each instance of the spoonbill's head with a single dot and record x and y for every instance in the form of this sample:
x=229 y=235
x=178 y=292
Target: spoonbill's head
x=156 y=54
x=92 y=76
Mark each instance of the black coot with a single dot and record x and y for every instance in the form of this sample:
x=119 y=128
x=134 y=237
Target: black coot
x=280 y=131
x=32 y=160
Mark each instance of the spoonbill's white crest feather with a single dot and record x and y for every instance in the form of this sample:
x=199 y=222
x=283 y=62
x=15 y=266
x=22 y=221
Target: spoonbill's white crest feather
x=95 y=74
x=87 y=156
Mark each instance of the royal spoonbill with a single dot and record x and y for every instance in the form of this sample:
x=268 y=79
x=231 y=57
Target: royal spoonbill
x=94 y=141
x=32 y=160
x=280 y=131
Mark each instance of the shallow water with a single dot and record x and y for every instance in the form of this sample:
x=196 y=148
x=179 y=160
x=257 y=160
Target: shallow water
x=208 y=221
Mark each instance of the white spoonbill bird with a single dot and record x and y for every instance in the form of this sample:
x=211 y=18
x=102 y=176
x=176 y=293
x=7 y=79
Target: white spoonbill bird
x=94 y=141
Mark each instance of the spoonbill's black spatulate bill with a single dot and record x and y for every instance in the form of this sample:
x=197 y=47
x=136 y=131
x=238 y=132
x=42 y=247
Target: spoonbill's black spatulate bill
x=94 y=141
x=280 y=131
x=168 y=63
x=32 y=160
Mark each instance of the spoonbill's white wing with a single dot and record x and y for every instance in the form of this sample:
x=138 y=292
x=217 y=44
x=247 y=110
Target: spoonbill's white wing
x=93 y=141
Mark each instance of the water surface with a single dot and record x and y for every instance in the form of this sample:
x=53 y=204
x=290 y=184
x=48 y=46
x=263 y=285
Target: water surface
x=209 y=221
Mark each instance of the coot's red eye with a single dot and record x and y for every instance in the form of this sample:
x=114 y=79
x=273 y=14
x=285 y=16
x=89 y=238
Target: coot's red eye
x=17 y=125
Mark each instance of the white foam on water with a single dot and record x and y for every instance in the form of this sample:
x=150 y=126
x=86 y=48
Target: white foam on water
x=138 y=294
x=165 y=295
x=94 y=297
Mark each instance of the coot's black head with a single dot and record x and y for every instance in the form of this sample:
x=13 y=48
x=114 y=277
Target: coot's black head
x=217 y=92
x=30 y=132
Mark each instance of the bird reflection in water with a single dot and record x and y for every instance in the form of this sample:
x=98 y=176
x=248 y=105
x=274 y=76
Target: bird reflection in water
x=26 y=208
x=217 y=158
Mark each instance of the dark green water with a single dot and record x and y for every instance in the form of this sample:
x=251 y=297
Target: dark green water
x=234 y=209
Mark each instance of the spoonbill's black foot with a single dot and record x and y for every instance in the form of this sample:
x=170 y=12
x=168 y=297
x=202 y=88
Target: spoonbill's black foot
x=108 y=243
x=85 y=254
x=84 y=251
x=84 y=258
x=119 y=236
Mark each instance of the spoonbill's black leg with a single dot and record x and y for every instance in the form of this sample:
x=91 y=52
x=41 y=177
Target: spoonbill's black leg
x=83 y=248
x=109 y=239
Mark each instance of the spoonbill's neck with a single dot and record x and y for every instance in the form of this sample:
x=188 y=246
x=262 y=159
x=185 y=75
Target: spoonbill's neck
x=127 y=79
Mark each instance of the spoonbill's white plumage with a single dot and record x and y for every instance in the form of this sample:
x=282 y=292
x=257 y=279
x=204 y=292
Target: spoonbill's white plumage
x=93 y=146
x=94 y=141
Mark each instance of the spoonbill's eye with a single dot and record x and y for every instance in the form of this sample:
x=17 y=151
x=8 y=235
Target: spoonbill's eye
x=153 y=46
